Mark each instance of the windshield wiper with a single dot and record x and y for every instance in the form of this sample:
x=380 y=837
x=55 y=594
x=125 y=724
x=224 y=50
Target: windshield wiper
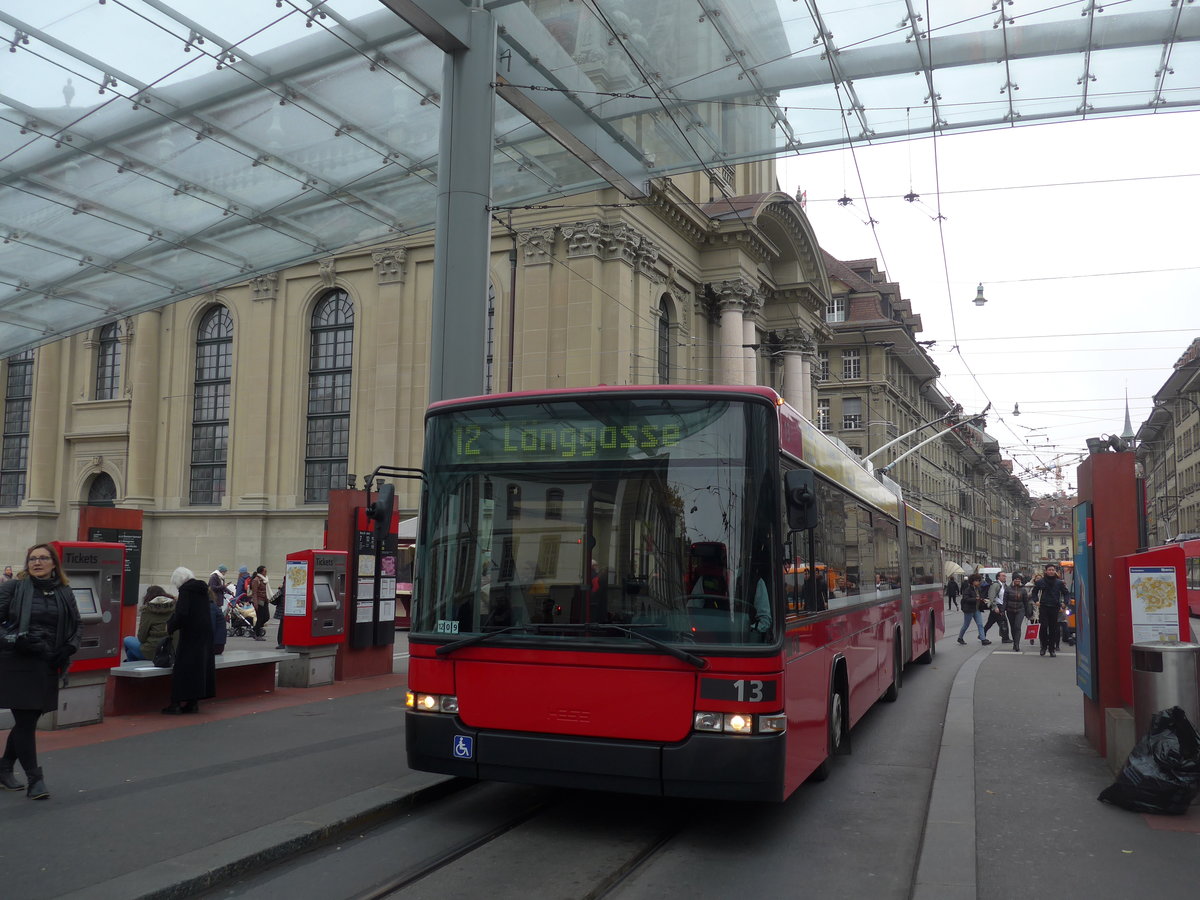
x=586 y=627
x=689 y=658
x=479 y=638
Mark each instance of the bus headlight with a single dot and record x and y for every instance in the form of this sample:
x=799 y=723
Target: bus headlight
x=707 y=721
x=739 y=723
x=445 y=703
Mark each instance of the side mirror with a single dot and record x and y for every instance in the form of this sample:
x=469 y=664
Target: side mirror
x=800 y=488
x=381 y=510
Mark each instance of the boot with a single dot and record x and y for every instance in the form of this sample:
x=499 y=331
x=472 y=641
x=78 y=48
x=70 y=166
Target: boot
x=172 y=710
x=37 y=789
x=7 y=779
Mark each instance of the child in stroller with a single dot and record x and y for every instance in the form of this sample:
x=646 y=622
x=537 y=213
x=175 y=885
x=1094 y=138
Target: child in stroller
x=241 y=617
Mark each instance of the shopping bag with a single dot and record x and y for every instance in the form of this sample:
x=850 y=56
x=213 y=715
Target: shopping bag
x=1031 y=631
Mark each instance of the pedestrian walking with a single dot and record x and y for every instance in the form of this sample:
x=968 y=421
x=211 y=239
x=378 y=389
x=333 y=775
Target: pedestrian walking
x=39 y=633
x=1017 y=607
x=995 y=607
x=219 y=586
x=260 y=596
x=969 y=602
x=243 y=582
x=1051 y=594
x=194 y=677
x=951 y=593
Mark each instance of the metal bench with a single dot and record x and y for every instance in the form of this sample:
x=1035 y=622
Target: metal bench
x=141 y=687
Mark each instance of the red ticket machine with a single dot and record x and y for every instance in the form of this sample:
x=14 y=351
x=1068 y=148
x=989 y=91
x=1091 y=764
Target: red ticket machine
x=314 y=616
x=96 y=572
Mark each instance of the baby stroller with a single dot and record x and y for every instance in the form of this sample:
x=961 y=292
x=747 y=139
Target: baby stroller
x=241 y=619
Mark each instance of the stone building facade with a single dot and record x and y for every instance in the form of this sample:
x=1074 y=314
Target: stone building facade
x=876 y=382
x=227 y=417
x=1052 y=524
x=1168 y=449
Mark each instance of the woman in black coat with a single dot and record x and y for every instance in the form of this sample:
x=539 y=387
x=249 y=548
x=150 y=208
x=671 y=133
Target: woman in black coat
x=194 y=677
x=39 y=624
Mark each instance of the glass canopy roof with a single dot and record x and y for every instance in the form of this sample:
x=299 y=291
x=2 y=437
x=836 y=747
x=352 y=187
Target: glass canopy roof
x=152 y=150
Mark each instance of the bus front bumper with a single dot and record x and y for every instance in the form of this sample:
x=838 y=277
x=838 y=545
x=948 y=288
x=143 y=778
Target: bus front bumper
x=715 y=766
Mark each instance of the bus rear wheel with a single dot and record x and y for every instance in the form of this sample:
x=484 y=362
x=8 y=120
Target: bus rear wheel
x=927 y=657
x=892 y=694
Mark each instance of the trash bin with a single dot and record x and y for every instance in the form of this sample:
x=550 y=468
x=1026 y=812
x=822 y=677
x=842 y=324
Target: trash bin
x=1165 y=674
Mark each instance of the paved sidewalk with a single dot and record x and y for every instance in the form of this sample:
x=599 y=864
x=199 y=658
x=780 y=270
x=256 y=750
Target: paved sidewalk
x=156 y=806
x=1014 y=808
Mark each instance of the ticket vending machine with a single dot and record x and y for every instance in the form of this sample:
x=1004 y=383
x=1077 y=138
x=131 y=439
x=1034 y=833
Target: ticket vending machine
x=314 y=616
x=96 y=571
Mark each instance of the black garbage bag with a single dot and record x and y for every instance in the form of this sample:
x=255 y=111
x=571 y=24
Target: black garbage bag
x=1162 y=773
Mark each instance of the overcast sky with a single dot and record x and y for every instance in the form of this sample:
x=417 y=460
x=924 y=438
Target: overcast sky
x=1084 y=237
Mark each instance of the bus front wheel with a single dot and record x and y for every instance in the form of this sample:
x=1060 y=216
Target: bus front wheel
x=837 y=730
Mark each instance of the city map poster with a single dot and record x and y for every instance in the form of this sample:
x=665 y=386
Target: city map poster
x=1154 y=603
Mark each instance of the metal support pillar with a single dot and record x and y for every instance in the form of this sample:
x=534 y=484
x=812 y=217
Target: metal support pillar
x=462 y=242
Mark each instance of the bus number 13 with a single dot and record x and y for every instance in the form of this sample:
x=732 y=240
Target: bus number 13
x=749 y=691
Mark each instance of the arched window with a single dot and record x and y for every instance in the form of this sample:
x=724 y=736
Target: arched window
x=664 y=342
x=18 y=398
x=210 y=407
x=327 y=449
x=108 y=363
x=102 y=491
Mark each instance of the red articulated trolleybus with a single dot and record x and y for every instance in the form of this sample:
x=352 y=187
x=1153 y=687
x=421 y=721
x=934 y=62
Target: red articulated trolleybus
x=678 y=591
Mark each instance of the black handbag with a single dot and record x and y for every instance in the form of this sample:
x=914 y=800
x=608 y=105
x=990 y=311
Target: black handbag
x=164 y=653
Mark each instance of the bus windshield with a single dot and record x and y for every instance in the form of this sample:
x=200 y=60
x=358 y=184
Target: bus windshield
x=658 y=515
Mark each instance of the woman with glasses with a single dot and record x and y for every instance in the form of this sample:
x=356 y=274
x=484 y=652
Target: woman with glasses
x=39 y=627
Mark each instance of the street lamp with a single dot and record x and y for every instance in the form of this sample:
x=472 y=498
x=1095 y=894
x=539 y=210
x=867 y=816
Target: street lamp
x=979 y=298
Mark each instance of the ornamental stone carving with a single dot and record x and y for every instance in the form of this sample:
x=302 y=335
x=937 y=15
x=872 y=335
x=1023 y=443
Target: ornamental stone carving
x=625 y=244
x=538 y=244
x=647 y=261
x=794 y=340
x=609 y=242
x=734 y=293
x=585 y=238
x=264 y=287
x=389 y=264
x=329 y=271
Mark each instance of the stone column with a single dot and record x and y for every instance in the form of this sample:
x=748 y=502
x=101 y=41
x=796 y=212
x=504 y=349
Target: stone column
x=796 y=346
x=732 y=298
x=142 y=383
x=795 y=381
x=750 y=339
x=44 y=458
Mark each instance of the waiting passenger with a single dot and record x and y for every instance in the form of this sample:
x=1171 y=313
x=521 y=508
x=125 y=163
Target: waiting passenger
x=157 y=606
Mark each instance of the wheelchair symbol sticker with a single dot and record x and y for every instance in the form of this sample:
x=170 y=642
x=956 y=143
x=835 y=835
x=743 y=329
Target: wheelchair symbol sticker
x=464 y=747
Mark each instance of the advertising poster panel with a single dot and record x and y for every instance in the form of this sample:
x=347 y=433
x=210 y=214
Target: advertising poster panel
x=1085 y=604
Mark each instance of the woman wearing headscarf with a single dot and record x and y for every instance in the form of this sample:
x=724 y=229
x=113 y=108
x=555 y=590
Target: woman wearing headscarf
x=194 y=677
x=40 y=625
